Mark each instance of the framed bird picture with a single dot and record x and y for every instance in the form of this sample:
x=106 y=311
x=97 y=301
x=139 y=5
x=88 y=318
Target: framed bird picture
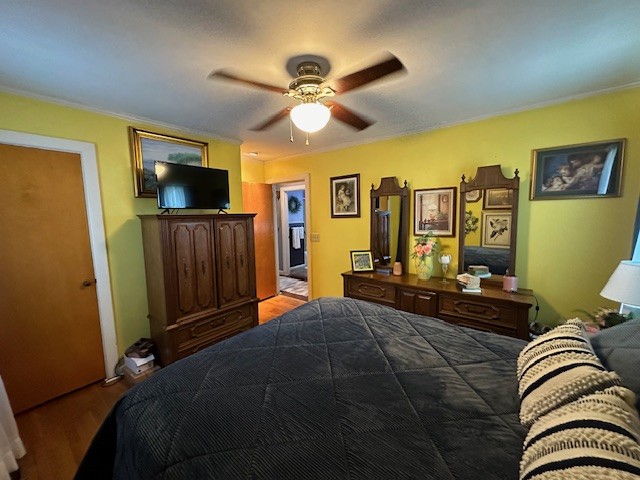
x=496 y=229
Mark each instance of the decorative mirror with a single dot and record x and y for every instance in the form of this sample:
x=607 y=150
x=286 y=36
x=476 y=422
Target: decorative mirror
x=389 y=222
x=488 y=223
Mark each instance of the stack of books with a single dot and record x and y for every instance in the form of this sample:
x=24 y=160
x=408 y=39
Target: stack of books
x=480 y=271
x=469 y=283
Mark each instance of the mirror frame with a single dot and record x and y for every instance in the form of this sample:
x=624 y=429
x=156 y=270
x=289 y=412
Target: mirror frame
x=490 y=177
x=389 y=187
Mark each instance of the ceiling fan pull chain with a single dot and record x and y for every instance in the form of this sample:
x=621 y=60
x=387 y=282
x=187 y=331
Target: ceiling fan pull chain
x=290 y=130
x=307 y=142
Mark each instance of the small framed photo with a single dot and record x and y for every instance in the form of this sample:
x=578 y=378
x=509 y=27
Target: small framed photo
x=578 y=171
x=473 y=196
x=147 y=147
x=496 y=229
x=345 y=196
x=361 y=261
x=498 y=199
x=434 y=211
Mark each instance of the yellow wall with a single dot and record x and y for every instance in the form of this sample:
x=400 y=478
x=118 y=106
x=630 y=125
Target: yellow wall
x=120 y=207
x=252 y=170
x=566 y=248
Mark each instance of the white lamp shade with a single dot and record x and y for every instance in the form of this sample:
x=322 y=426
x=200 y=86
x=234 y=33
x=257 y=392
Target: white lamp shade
x=310 y=117
x=624 y=284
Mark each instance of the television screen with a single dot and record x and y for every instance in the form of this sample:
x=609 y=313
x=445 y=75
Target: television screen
x=186 y=186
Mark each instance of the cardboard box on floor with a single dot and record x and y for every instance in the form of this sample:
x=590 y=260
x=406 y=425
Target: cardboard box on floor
x=133 y=378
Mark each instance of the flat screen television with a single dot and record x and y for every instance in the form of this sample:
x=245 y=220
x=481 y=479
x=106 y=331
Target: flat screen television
x=186 y=186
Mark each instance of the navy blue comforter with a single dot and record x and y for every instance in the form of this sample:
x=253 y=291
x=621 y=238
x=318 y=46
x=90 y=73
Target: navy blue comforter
x=336 y=389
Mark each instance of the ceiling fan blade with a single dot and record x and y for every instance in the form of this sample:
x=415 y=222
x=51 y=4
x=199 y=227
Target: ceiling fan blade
x=343 y=114
x=229 y=76
x=271 y=120
x=367 y=75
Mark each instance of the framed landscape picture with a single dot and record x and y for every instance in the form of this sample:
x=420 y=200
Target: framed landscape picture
x=361 y=261
x=148 y=147
x=498 y=198
x=345 y=196
x=496 y=229
x=578 y=171
x=434 y=211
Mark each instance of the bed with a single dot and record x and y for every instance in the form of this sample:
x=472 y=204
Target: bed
x=337 y=388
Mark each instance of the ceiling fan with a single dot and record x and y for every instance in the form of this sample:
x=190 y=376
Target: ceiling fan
x=312 y=91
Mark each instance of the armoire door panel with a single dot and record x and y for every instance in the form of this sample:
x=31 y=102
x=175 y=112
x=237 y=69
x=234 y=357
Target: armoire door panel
x=226 y=262
x=184 y=266
x=242 y=266
x=203 y=266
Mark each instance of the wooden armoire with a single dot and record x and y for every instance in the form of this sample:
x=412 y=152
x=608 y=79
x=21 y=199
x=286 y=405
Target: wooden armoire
x=201 y=280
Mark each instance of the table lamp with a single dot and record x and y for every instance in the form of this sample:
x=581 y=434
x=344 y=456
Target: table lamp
x=624 y=285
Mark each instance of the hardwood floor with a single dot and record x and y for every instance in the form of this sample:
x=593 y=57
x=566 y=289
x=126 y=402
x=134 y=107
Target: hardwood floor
x=275 y=306
x=57 y=434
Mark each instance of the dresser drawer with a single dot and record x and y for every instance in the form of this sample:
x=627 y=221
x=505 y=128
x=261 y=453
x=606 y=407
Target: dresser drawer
x=417 y=301
x=372 y=291
x=491 y=316
x=198 y=335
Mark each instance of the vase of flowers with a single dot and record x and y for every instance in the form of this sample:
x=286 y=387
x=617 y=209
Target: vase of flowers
x=423 y=250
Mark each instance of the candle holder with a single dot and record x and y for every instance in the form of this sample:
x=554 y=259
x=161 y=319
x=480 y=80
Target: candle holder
x=445 y=260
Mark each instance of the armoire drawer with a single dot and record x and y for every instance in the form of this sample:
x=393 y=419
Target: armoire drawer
x=373 y=291
x=207 y=331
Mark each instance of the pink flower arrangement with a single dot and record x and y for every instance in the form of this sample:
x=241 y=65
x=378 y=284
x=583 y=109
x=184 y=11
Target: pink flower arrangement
x=603 y=318
x=424 y=247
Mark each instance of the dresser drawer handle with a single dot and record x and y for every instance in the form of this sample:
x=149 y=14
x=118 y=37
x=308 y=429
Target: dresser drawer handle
x=211 y=325
x=371 y=290
x=477 y=309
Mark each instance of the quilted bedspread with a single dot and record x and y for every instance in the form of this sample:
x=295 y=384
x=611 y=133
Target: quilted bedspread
x=335 y=389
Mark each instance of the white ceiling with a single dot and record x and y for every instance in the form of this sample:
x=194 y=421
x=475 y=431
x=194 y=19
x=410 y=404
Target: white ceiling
x=464 y=59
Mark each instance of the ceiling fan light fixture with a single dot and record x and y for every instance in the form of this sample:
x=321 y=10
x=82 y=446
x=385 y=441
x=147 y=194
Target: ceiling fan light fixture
x=310 y=117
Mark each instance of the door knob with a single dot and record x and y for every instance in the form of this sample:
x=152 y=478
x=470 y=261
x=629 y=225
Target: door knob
x=88 y=283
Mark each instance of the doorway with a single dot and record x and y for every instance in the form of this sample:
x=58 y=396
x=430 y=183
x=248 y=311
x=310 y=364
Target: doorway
x=91 y=203
x=291 y=218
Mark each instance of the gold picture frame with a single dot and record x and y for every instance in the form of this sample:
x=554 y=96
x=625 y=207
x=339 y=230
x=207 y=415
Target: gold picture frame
x=148 y=147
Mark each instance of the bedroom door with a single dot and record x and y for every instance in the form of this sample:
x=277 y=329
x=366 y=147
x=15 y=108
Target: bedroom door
x=50 y=337
x=258 y=198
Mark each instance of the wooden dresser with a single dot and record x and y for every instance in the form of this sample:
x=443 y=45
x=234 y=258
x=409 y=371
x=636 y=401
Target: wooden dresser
x=201 y=280
x=493 y=310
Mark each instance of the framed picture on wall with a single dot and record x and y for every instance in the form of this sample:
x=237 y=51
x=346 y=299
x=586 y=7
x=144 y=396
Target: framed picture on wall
x=498 y=199
x=361 y=261
x=496 y=229
x=434 y=211
x=473 y=196
x=578 y=171
x=345 y=196
x=147 y=147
